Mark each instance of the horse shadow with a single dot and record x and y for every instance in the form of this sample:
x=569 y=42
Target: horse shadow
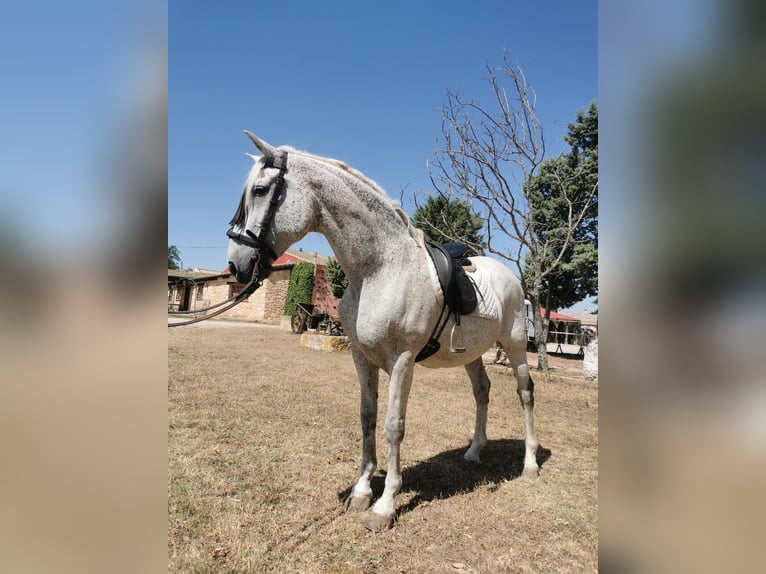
x=448 y=474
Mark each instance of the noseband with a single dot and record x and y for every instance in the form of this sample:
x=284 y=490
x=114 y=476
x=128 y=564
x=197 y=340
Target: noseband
x=258 y=242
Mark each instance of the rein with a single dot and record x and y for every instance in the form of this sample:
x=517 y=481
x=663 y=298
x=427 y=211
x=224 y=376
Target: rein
x=248 y=290
x=250 y=239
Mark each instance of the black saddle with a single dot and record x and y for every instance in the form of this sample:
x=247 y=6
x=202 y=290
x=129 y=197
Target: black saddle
x=458 y=288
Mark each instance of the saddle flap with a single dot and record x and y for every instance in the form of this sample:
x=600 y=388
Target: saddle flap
x=462 y=292
x=457 y=286
x=443 y=263
x=459 y=294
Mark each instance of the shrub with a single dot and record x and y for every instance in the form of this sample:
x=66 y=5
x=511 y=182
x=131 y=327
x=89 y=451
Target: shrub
x=300 y=287
x=338 y=280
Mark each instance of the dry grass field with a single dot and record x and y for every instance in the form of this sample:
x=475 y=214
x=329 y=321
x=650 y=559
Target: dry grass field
x=264 y=442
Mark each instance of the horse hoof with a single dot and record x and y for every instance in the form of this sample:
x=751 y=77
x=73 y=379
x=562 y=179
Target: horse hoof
x=530 y=472
x=359 y=503
x=379 y=522
x=472 y=458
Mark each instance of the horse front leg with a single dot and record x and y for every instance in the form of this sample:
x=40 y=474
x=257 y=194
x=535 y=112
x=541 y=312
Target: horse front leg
x=361 y=493
x=384 y=513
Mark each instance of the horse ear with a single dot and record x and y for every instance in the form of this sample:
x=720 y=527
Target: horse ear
x=251 y=156
x=262 y=146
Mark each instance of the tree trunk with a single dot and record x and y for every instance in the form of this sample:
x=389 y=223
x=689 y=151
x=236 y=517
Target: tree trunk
x=542 y=350
x=541 y=328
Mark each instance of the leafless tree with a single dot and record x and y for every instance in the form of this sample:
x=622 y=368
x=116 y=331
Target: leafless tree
x=489 y=156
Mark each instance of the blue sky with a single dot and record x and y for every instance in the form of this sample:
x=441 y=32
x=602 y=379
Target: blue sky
x=71 y=74
x=359 y=81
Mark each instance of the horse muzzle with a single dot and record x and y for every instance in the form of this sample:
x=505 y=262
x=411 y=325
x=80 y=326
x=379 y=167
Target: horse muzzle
x=242 y=274
x=257 y=268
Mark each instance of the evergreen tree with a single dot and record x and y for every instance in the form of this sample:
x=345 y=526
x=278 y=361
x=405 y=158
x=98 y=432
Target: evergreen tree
x=561 y=185
x=337 y=278
x=174 y=257
x=445 y=221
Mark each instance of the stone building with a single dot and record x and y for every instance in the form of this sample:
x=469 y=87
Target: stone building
x=197 y=289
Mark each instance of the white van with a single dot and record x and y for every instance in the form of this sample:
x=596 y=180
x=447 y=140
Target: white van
x=530 y=323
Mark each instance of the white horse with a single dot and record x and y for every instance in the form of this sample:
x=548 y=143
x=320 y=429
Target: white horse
x=392 y=302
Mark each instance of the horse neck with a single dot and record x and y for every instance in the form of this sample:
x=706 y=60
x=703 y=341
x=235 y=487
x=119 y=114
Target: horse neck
x=359 y=221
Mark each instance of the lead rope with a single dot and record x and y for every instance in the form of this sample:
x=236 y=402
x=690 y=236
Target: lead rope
x=205 y=309
x=248 y=290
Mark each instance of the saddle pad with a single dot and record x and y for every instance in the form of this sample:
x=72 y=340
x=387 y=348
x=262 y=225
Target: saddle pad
x=488 y=304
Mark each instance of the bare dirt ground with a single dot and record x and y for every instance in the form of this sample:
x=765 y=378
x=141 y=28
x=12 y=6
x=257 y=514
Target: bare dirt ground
x=264 y=443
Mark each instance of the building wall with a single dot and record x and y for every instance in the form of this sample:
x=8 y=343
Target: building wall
x=275 y=294
x=175 y=297
x=251 y=309
x=266 y=304
x=322 y=297
x=212 y=292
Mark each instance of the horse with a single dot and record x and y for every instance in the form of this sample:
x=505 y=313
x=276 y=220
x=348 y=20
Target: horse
x=392 y=303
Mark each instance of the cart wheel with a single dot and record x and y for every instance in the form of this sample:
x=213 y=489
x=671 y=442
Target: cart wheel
x=297 y=322
x=334 y=328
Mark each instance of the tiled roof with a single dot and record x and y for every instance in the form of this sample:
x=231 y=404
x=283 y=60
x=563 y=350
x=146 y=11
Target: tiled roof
x=180 y=274
x=558 y=316
x=296 y=256
x=585 y=317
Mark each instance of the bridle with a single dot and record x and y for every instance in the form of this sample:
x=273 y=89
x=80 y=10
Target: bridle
x=250 y=239
x=276 y=188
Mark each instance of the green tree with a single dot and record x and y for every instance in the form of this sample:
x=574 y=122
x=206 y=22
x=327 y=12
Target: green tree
x=301 y=286
x=447 y=220
x=174 y=257
x=337 y=278
x=491 y=156
x=569 y=182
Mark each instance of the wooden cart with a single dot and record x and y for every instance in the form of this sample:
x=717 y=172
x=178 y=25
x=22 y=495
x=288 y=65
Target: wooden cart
x=305 y=318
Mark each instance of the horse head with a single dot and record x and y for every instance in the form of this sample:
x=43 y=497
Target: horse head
x=269 y=218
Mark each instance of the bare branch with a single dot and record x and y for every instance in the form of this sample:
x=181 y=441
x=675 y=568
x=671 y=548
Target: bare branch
x=490 y=155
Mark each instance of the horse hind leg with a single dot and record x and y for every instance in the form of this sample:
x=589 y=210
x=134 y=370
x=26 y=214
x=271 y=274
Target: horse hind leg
x=481 y=385
x=526 y=391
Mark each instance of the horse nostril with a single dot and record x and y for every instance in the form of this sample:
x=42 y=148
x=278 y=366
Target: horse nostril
x=232 y=268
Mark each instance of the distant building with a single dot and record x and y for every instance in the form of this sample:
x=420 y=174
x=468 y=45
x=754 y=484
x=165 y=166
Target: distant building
x=190 y=290
x=322 y=297
x=588 y=321
x=561 y=329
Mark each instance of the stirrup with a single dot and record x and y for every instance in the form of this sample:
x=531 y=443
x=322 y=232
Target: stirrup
x=452 y=347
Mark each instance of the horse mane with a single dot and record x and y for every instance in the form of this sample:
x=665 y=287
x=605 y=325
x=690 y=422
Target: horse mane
x=414 y=232
x=239 y=215
x=345 y=167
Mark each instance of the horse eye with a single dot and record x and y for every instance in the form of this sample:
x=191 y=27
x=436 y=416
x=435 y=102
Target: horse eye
x=260 y=190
